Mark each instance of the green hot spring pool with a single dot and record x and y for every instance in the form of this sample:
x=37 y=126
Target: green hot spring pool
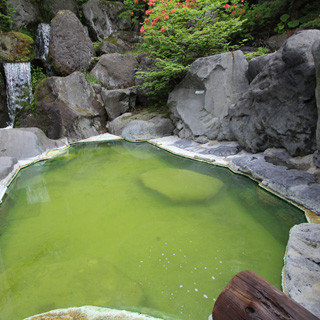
x=130 y=226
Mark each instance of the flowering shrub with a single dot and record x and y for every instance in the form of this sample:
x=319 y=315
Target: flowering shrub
x=175 y=33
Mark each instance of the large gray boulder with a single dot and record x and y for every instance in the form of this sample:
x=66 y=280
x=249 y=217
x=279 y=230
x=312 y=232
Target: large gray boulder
x=201 y=101
x=302 y=266
x=103 y=17
x=257 y=64
x=66 y=107
x=316 y=57
x=24 y=143
x=7 y=165
x=116 y=71
x=279 y=109
x=142 y=126
x=118 y=101
x=70 y=47
x=26 y=12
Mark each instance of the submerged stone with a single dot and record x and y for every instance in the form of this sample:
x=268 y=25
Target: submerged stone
x=182 y=185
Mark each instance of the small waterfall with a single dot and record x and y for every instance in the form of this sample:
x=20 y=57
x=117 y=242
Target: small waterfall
x=42 y=41
x=19 y=91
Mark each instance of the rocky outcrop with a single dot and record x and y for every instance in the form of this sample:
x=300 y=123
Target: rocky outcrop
x=103 y=17
x=65 y=107
x=4 y=117
x=118 y=101
x=116 y=71
x=257 y=64
x=275 y=42
x=279 y=109
x=70 y=47
x=7 y=165
x=302 y=266
x=26 y=13
x=316 y=57
x=142 y=126
x=51 y=7
x=16 y=47
x=201 y=101
x=24 y=143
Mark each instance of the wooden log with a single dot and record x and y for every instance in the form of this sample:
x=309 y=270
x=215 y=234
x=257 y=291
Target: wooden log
x=248 y=296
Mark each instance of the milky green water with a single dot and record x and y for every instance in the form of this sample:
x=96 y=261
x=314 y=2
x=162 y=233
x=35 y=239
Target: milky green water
x=91 y=228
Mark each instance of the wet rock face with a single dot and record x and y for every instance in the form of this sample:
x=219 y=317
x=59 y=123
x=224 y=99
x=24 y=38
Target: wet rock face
x=303 y=253
x=26 y=13
x=103 y=17
x=66 y=107
x=116 y=71
x=70 y=47
x=279 y=108
x=201 y=101
x=4 y=117
x=316 y=57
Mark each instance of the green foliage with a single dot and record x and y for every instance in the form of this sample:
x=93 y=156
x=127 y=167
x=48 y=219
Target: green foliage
x=285 y=24
x=176 y=34
x=261 y=51
x=6 y=13
x=91 y=79
x=37 y=75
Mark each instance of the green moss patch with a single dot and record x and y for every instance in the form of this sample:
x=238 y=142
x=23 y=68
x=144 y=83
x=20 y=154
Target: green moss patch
x=181 y=185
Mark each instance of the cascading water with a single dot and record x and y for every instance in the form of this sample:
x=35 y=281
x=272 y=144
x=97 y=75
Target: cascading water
x=19 y=91
x=42 y=41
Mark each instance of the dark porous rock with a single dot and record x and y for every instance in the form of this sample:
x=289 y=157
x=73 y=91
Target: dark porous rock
x=279 y=178
x=316 y=159
x=203 y=97
x=26 y=13
x=16 y=46
x=7 y=165
x=302 y=266
x=316 y=57
x=257 y=64
x=4 y=116
x=25 y=143
x=275 y=42
x=116 y=71
x=107 y=46
x=103 y=17
x=66 y=107
x=70 y=47
x=52 y=7
x=118 y=101
x=279 y=108
x=141 y=126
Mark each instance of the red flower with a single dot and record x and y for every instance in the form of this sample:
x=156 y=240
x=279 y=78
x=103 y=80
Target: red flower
x=162 y=29
x=234 y=11
x=131 y=13
x=142 y=29
x=258 y=15
x=242 y=11
x=234 y=5
x=146 y=20
x=166 y=17
x=226 y=6
x=173 y=11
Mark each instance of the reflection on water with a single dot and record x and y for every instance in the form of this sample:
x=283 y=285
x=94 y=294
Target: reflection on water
x=96 y=226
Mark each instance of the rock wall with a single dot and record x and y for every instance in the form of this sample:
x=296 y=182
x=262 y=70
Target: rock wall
x=316 y=57
x=201 y=101
x=279 y=108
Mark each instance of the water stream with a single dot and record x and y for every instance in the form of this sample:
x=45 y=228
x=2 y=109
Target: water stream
x=19 y=91
x=42 y=41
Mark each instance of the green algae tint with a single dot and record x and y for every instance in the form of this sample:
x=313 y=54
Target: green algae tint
x=91 y=228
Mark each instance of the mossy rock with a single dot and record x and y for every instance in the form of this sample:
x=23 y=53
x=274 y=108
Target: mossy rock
x=182 y=185
x=16 y=47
